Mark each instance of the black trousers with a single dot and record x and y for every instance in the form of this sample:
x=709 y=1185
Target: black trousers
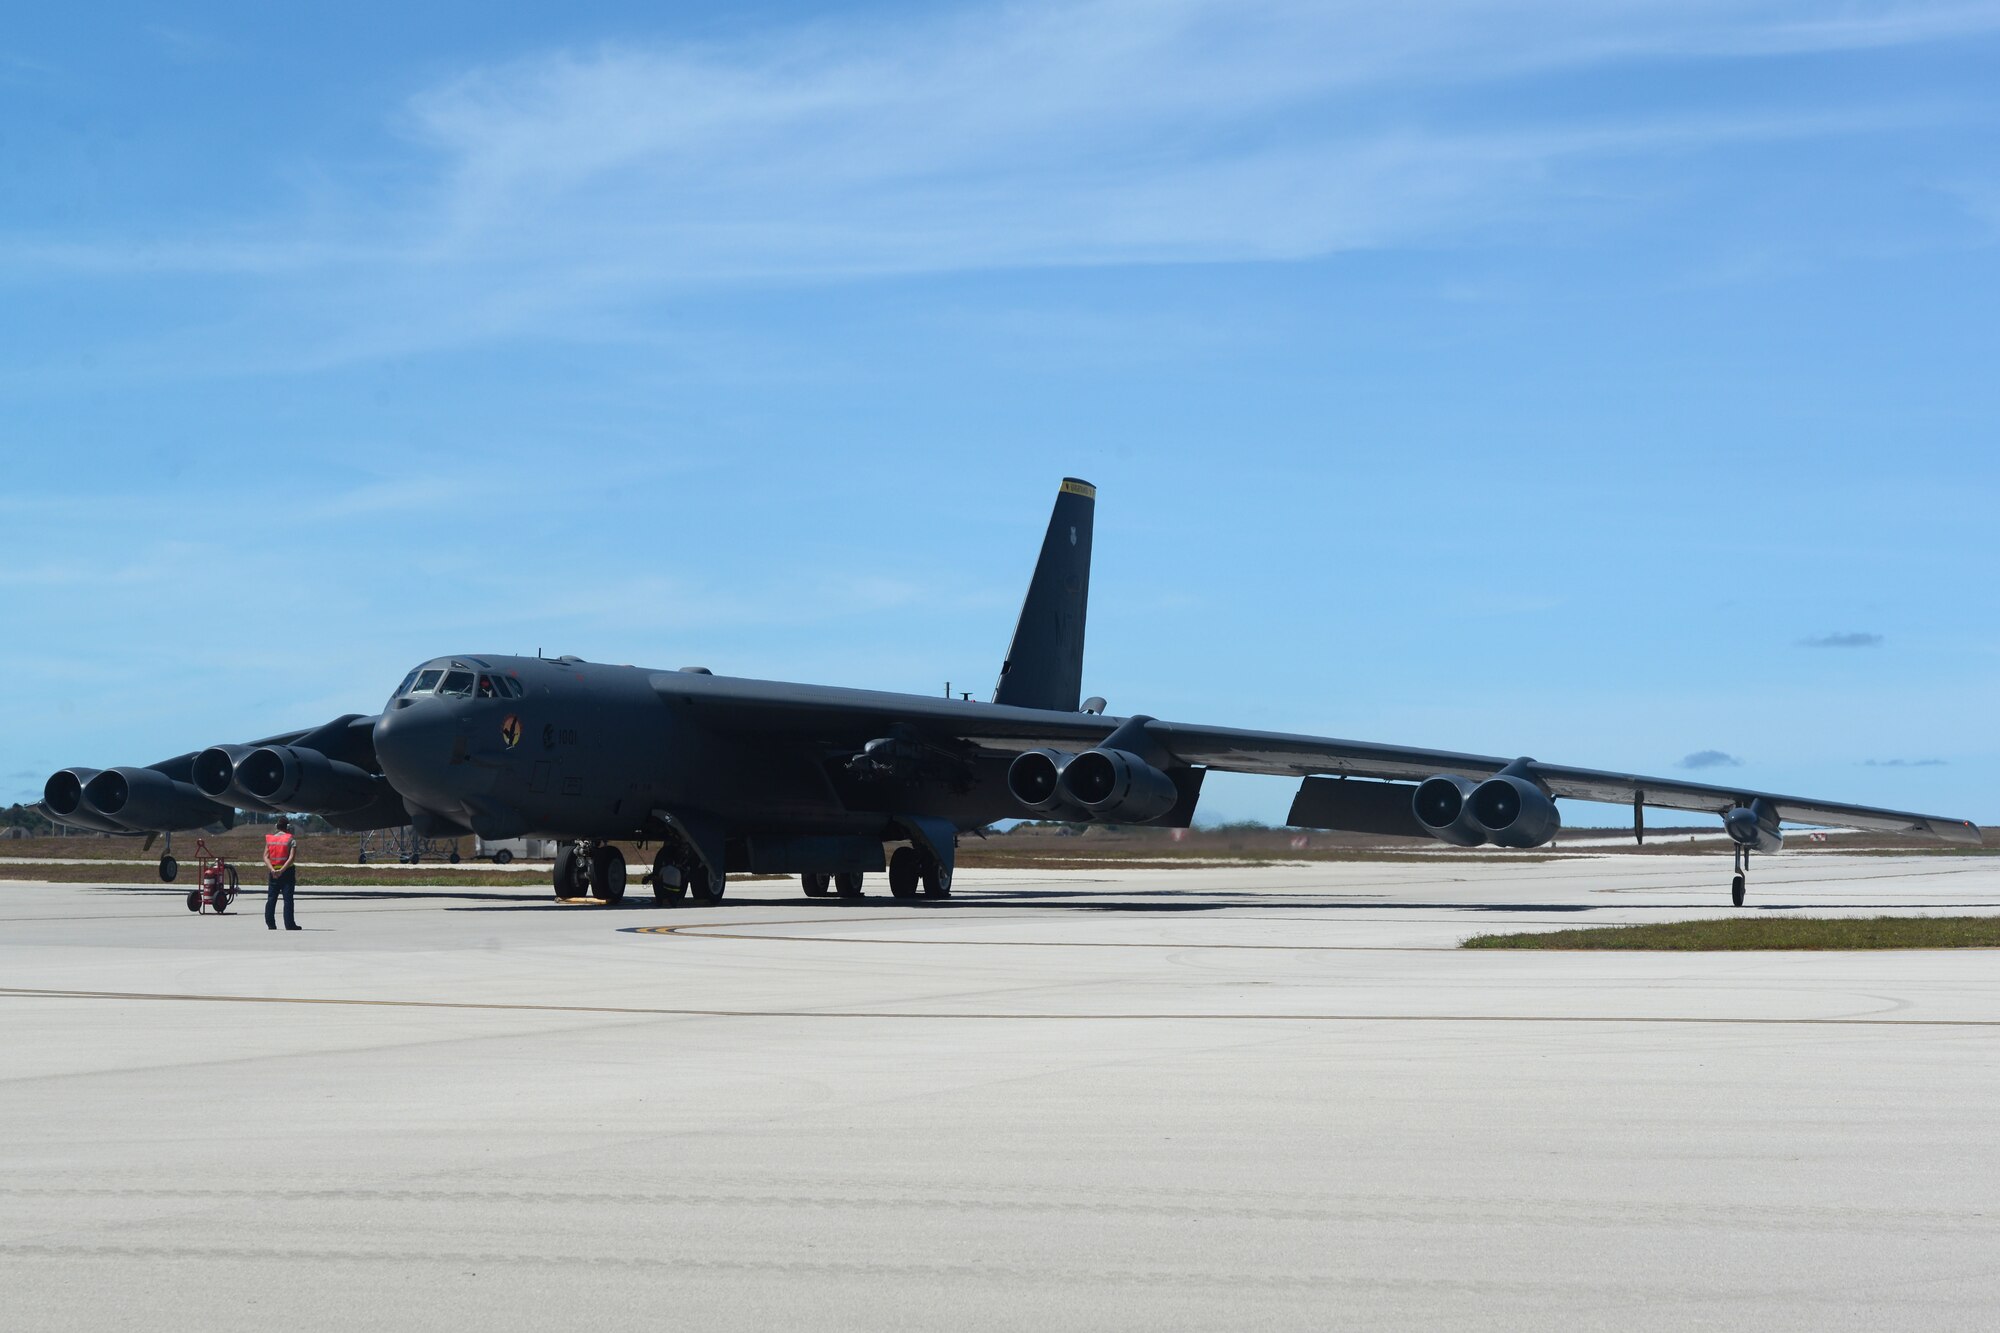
x=283 y=882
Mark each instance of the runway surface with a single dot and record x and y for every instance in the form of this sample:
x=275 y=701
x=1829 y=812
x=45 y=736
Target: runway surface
x=1213 y=1097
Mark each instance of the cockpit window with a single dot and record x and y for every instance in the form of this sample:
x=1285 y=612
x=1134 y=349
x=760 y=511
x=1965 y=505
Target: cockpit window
x=487 y=689
x=404 y=688
x=456 y=683
x=427 y=680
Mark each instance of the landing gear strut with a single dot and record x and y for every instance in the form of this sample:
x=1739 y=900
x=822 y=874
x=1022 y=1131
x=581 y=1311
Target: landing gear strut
x=1736 y=884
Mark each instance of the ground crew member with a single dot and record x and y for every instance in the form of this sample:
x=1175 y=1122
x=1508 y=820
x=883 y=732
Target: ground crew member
x=281 y=850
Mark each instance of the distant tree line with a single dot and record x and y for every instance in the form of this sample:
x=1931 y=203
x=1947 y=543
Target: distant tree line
x=28 y=818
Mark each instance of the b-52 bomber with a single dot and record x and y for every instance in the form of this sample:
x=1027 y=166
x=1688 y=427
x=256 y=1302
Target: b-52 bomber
x=732 y=775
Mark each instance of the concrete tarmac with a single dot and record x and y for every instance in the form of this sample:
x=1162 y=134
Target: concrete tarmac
x=1199 y=1098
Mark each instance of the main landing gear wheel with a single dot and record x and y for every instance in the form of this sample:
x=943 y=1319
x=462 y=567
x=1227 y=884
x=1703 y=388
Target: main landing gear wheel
x=848 y=884
x=669 y=878
x=816 y=886
x=170 y=869
x=905 y=868
x=706 y=888
x=607 y=875
x=571 y=868
x=933 y=879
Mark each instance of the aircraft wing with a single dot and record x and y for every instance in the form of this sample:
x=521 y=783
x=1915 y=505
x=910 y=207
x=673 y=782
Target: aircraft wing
x=1237 y=751
x=838 y=717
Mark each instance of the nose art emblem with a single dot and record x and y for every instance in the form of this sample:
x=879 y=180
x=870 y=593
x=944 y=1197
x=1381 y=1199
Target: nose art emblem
x=510 y=731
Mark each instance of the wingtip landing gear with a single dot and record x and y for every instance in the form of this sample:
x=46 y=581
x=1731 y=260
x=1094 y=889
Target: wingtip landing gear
x=1737 y=883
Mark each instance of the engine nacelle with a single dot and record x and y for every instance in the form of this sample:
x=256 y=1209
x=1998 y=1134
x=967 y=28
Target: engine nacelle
x=1035 y=780
x=62 y=796
x=286 y=777
x=214 y=773
x=147 y=799
x=1117 y=785
x=1754 y=826
x=1514 y=812
x=1441 y=807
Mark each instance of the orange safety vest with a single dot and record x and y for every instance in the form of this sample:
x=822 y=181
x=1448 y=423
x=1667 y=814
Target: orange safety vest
x=278 y=851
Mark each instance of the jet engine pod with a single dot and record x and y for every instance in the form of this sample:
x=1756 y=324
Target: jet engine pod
x=1513 y=811
x=62 y=795
x=1117 y=785
x=214 y=772
x=1441 y=807
x=145 y=798
x=1035 y=779
x=214 y=769
x=287 y=777
x=63 y=792
x=1755 y=826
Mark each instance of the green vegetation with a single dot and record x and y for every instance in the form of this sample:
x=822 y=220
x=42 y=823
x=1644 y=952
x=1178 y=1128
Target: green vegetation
x=1767 y=932
x=26 y=818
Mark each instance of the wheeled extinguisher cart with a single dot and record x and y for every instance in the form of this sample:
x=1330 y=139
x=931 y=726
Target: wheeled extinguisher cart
x=215 y=887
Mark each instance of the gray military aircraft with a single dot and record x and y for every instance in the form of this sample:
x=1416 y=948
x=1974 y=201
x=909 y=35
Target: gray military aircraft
x=733 y=775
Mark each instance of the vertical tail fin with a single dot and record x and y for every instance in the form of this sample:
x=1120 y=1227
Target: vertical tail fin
x=1044 y=666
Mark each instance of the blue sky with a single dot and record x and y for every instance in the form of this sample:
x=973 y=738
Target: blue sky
x=1609 y=382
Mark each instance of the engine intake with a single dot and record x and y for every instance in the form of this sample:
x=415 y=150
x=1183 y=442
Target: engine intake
x=290 y=778
x=1441 y=807
x=145 y=798
x=62 y=796
x=1118 y=785
x=1513 y=811
x=214 y=772
x=1035 y=780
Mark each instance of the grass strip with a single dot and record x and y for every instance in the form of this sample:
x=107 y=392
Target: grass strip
x=1766 y=932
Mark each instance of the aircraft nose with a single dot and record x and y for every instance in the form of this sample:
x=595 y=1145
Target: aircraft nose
x=414 y=745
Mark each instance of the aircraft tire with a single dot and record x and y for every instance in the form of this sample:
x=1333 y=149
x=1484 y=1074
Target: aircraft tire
x=170 y=870
x=905 y=867
x=848 y=884
x=816 y=885
x=934 y=882
x=607 y=875
x=568 y=872
x=1736 y=890
x=706 y=888
x=669 y=879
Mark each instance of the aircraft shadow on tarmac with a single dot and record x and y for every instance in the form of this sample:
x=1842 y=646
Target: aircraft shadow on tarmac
x=475 y=900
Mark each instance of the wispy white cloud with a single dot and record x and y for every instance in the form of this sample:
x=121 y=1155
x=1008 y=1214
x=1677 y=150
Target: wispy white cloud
x=1110 y=132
